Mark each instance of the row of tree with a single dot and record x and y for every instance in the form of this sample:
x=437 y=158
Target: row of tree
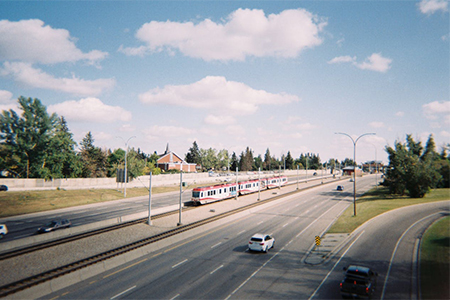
x=38 y=145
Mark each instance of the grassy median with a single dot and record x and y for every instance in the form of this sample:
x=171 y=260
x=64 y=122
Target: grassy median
x=435 y=261
x=24 y=202
x=378 y=201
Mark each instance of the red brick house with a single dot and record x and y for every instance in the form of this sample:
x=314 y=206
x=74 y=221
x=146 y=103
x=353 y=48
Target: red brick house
x=171 y=161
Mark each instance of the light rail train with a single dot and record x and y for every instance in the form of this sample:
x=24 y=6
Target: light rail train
x=208 y=194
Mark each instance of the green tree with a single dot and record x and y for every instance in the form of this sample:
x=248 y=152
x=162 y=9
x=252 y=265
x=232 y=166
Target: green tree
x=289 y=161
x=268 y=164
x=62 y=160
x=193 y=155
x=246 y=160
x=25 y=139
x=94 y=160
x=411 y=171
x=223 y=158
x=234 y=162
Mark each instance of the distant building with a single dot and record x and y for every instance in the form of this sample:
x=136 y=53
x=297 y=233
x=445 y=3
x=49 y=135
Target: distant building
x=171 y=161
x=350 y=170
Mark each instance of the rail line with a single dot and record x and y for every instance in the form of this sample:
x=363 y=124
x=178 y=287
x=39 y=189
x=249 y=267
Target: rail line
x=63 y=270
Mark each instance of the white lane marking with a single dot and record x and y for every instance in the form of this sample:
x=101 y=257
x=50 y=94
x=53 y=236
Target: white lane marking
x=260 y=223
x=181 y=262
x=118 y=295
x=216 y=270
x=395 y=250
x=214 y=246
x=285 y=225
x=174 y=297
x=306 y=211
x=241 y=232
x=332 y=269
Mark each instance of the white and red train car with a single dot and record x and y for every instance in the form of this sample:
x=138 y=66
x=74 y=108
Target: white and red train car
x=208 y=194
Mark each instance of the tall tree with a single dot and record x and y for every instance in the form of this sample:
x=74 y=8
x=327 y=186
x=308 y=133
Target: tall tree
x=193 y=156
x=94 y=159
x=289 y=161
x=62 y=160
x=267 y=160
x=25 y=139
x=234 y=162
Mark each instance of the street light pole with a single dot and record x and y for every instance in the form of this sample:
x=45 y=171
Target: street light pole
x=126 y=173
x=354 y=167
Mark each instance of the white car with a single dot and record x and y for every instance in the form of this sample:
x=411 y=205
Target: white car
x=261 y=242
x=3 y=230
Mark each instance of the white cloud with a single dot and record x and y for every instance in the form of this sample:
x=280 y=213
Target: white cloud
x=219 y=120
x=157 y=132
x=431 y=6
x=400 y=114
x=90 y=110
x=216 y=93
x=437 y=111
x=244 y=33
x=5 y=97
x=31 y=41
x=27 y=74
x=375 y=62
x=342 y=59
x=445 y=134
x=376 y=124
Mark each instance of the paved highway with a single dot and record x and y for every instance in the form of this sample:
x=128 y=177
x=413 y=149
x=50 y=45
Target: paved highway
x=26 y=225
x=217 y=265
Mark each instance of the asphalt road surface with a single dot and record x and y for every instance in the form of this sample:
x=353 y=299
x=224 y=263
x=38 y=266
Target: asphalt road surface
x=217 y=264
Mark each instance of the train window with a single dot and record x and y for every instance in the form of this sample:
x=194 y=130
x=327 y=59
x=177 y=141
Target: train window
x=220 y=191
x=201 y=195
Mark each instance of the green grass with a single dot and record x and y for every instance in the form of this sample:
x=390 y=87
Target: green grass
x=18 y=203
x=376 y=202
x=435 y=261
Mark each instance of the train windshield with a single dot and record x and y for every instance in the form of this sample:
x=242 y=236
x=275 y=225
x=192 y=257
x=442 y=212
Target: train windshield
x=195 y=194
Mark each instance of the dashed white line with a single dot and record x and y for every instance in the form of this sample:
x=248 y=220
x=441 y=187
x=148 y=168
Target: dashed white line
x=120 y=294
x=214 y=246
x=285 y=225
x=216 y=269
x=241 y=232
x=182 y=262
x=174 y=297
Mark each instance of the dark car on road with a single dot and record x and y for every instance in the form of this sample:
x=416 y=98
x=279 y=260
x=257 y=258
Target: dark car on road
x=340 y=188
x=359 y=282
x=3 y=188
x=54 y=225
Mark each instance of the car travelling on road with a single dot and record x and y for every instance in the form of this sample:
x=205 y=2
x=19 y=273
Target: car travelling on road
x=3 y=188
x=54 y=225
x=3 y=230
x=261 y=242
x=340 y=188
x=359 y=282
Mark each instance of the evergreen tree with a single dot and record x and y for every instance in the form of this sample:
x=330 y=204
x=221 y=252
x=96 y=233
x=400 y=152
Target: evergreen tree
x=234 y=162
x=267 y=161
x=193 y=156
x=289 y=161
x=93 y=159
x=62 y=160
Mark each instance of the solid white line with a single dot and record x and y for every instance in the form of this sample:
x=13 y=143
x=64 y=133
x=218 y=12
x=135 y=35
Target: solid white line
x=216 y=270
x=395 y=251
x=118 y=295
x=213 y=246
x=182 y=262
x=332 y=269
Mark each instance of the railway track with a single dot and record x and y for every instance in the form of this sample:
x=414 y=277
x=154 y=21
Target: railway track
x=63 y=270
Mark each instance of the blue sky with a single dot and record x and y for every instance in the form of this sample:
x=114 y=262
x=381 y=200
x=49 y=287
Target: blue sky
x=283 y=75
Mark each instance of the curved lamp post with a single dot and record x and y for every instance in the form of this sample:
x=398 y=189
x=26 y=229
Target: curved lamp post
x=354 y=167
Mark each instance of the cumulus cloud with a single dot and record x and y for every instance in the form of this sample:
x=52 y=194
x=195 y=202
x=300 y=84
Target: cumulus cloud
x=400 y=114
x=28 y=75
x=342 y=59
x=431 y=6
x=375 y=62
x=437 y=110
x=5 y=97
x=218 y=94
x=157 y=132
x=33 y=42
x=245 y=32
x=219 y=120
x=90 y=110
